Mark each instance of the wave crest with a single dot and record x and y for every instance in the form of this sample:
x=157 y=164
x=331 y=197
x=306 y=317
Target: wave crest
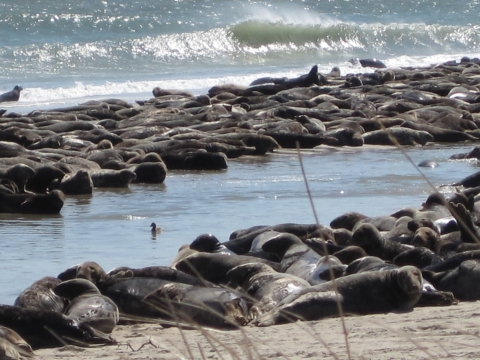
x=391 y=39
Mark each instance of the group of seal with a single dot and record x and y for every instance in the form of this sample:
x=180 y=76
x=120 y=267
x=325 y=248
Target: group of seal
x=112 y=143
x=266 y=274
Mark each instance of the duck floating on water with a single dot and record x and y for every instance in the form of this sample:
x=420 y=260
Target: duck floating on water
x=155 y=229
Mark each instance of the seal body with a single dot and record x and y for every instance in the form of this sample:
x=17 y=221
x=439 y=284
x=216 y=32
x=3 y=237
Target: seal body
x=87 y=305
x=360 y=294
x=13 y=346
x=265 y=286
x=40 y=296
x=195 y=305
x=45 y=329
x=13 y=95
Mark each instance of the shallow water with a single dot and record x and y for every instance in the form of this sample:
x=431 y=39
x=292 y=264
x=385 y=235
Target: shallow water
x=111 y=227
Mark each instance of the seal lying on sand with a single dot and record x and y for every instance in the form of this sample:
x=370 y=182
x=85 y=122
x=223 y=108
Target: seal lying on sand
x=157 y=272
x=195 y=305
x=213 y=267
x=89 y=270
x=430 y=295
x=459 y=274
x=40 y=296
x=44 y=329
x=265 y=286
x=87 y=305
x=13 y=346
x=364 y=293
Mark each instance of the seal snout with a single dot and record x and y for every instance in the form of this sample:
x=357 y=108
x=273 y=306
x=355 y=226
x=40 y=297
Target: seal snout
x=410 y=280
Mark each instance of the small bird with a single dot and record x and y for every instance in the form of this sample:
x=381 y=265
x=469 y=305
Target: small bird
x=155 y=229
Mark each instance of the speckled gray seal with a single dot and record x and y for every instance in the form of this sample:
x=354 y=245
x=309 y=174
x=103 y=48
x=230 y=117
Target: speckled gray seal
x=214 y=267
x=265 y=286
x=13 y=346
x=196 y=305
x=360 y=294
x=46 y=329
x=40 y=296
x=87 y=305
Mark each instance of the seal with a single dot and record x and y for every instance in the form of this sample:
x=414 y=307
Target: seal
x=112 y=178
x=462 y=280
x=382 y=223
x=418 y=256
x=40 y=296
x=183 y=252
x=312 y=78
x=19 y=174
x=44 y=175
x=347 y=220
x=214 y=267
x=427 y=238
x=473 y=154
x=240 y=241
x=87 y=305
x=46 y=329
x=430 y=295
x=296 y=257
x=77 y=183
x=428 y=164
x=13 y=346
x=88 y=270
x=149 y=172
x=469 y=232
x=372 y=62
x=302 y=260
x=459 y=274
x=265 y=286
x=29 y=203
x=158 y=272
x=257 y=243
x=371 y=240
x=359 y=294
x=328 y=267
x=200 y=306
x=129 y=295
x=158 y=91
x=397 y=136
x=349 y=254
x=13 y=95
x=209 y=243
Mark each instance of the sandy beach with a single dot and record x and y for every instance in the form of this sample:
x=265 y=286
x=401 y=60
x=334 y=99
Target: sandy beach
x=424 y=333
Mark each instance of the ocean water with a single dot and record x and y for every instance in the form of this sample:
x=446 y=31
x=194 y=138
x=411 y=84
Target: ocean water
x=64 y=52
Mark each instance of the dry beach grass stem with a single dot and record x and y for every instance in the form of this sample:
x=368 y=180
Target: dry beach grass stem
x=332 y=276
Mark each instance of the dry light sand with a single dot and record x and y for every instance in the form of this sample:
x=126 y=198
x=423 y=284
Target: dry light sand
x=425 y=333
